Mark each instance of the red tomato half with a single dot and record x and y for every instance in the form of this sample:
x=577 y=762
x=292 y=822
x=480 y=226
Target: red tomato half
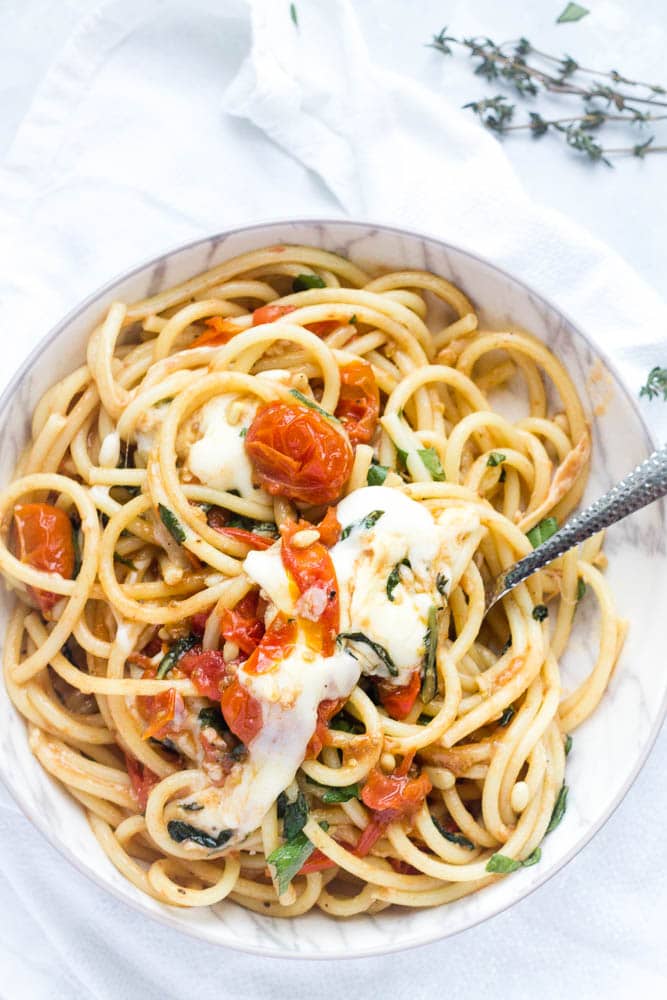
x=313 y=572
x=277 y=644
x=242 y=712
x=359 y=401
x=399 y=700
x=297 y=453
x=206 y=668
x=45 y=542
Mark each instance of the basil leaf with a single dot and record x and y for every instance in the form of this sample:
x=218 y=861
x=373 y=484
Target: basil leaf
x=401 y=459
x=532 y=858
x=495 y=458
x=540 y=612
x=573 y=12
x=192 y=807
x=366 y=523
x=353 y=319
x=379 y=650
x=431 y=460
x=545 y=529
x=568 y=745
x=212 y=716
x=581 y=589
x=117 y=557
x=312 y=405
x=295 y=817
x=345 y=723
x=441 y=582
x=77 y=551
x=294 y=15
x=394 y=577
x=342 y=794
x=243 y=432
x=429 y=686
x=559 y=809
x=171 y=658
x=376 y=474
x=507 y=716
x=288 y=859
x=500 y=864
x=303 y=282
x=454 y=838
x=179 y=831
x=247 y=523
x=171 y=523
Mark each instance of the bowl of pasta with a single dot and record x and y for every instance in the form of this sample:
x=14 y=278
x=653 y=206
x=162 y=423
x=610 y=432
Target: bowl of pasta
x=247 y=515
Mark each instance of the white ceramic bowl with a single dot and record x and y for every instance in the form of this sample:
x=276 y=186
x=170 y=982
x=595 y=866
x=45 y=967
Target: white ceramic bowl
x=609 y=748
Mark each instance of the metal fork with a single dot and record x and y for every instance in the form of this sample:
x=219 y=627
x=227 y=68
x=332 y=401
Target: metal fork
x=648 y=482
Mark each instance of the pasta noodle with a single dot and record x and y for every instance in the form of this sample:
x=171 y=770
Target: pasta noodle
x=249 y=540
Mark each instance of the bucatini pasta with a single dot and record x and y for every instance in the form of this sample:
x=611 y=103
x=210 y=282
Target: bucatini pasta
x=249 y=541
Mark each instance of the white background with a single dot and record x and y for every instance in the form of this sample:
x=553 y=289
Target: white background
x=598 y=927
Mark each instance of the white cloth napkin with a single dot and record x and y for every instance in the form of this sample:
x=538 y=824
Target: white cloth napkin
x=159 y=122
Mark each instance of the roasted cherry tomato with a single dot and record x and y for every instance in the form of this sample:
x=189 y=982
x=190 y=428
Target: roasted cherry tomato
x=319 y=862
x=206 y=668
x=313 y=572
x=219 y=332
x=44 y=541
x=142 y=779
x=277 y=644
x=329 y=528
x=243 y=625
x=298 y=453
x=325 y=711
x=399 y=700
x=270 y=313
x=359 y=401
x=390 y=797
x=158 y=710
x=242 y=711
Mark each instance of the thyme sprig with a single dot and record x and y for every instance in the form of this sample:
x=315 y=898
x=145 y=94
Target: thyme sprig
x=609 y=98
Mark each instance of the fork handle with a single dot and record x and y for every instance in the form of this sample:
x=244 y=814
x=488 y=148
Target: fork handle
x=648 y=482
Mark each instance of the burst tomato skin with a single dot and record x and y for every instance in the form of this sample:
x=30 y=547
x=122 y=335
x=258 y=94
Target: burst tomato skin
x=359 y=401
x=277 y=644
x=313 y=572
x=158 y=710
x=242 y=711
x=244 y=624
x=270 y=313
x=219 y=332
x=298 y=453
x=399 y=701
x=206 y=668
x=390 y=797
x=142 y=779
x=44 y=539
x=325 y=711
x=329 y=528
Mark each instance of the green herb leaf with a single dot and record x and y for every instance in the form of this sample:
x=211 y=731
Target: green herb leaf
x=376 y=474
x=177 y=650
x=345 y=723
x=429 y=686
x=212 y=716
x=192 y=807
x=295 y=817
x=568 y=745
x=454 y=838
x=117 y=557
x=342 y=794
x=365 y=523
x=540 y=612
x=542 y=531
x=496 y=458
x=287 y=859
x=500 y=864
x=656 y=383
x=431 y=460
x=532 y=858
x=401 y=459
x=179 y=831
x=379 y=650
x=559 y=809
x=353 y=319
x=243 y=432
x=441 y=582
x=394 y=577
x=247 y=523
x=507 y=716
x=303 y=282
x=581 y=589
x=312 y=405
x=573 y=12
x=171 y=523
x=293 y=14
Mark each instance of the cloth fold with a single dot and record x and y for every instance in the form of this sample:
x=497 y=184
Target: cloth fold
x=159 y=122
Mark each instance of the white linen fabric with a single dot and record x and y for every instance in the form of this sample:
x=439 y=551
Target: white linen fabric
x=160 y=122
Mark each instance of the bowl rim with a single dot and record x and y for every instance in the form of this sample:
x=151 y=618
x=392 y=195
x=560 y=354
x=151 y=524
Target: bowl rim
x=165 y=915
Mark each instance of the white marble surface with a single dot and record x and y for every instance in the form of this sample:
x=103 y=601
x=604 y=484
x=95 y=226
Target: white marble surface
x=597 y=926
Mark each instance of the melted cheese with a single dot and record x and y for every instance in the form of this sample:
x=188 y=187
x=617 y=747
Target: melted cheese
x=218 y=457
